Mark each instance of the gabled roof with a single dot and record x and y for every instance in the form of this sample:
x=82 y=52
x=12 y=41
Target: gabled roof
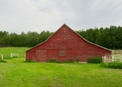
x=64 y=25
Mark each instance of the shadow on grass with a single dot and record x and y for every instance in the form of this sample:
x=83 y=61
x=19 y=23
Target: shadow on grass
x=3 y=61
x=29 y=61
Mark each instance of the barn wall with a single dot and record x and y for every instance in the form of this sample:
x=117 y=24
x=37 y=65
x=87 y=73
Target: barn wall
x=65 y=45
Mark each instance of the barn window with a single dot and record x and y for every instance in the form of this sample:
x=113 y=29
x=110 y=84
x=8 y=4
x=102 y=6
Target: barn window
x=62 y=53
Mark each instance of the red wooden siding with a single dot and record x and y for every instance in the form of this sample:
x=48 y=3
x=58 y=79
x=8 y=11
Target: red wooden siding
x=65 y=44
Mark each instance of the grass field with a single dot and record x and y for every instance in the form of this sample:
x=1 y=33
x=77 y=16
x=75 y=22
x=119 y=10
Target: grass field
x=6 y=51
x=17 y=73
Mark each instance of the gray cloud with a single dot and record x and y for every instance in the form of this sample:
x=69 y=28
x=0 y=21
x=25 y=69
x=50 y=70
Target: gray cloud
x=98 y=12
x=38 y=15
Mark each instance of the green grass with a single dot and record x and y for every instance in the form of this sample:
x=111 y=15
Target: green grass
x=6 y=51
x=17 y=73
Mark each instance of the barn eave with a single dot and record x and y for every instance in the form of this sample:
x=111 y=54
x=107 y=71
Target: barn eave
x=76 y=34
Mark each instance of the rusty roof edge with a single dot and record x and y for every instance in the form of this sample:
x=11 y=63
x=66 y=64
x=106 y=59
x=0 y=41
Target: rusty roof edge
x=87 y=40
x=46 y=39
x=40 y=43
x=92 y=43
x=75 y=33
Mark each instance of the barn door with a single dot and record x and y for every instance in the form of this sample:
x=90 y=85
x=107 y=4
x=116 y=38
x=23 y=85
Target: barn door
x=41 y=55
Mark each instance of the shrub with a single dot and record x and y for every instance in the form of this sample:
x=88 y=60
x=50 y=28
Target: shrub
x=115 y=65
x=54 y=61
x=2 y=61
x=69 y=61
x=95 y=60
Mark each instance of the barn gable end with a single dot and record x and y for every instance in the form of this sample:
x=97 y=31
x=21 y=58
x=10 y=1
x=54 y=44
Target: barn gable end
x=64 y=45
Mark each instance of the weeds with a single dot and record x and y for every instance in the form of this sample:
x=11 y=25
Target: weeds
x=29 y=61
x=115 y=65
x=69 y=61
x=54 y=61
x=95 y=60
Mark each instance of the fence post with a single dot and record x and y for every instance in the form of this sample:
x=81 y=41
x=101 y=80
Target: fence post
x=2 y=56
x=11 y=55
x=113 y=59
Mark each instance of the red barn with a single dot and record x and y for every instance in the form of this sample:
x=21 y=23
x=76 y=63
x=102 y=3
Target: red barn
x=65 y=44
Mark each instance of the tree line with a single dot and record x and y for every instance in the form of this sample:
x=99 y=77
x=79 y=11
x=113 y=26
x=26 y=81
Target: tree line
x=107 y=37
x=22 y=40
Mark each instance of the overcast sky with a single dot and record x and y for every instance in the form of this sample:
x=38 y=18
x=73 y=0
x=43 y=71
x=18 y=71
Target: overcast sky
x=39 y=15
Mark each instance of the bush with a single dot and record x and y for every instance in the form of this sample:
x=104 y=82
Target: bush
x=54 y=61
x=95 y=60
x=115 y=65
x=2 y=61
x=69 y=61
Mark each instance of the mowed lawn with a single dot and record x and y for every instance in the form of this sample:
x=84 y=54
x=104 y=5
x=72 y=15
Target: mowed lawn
x=17 y=73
